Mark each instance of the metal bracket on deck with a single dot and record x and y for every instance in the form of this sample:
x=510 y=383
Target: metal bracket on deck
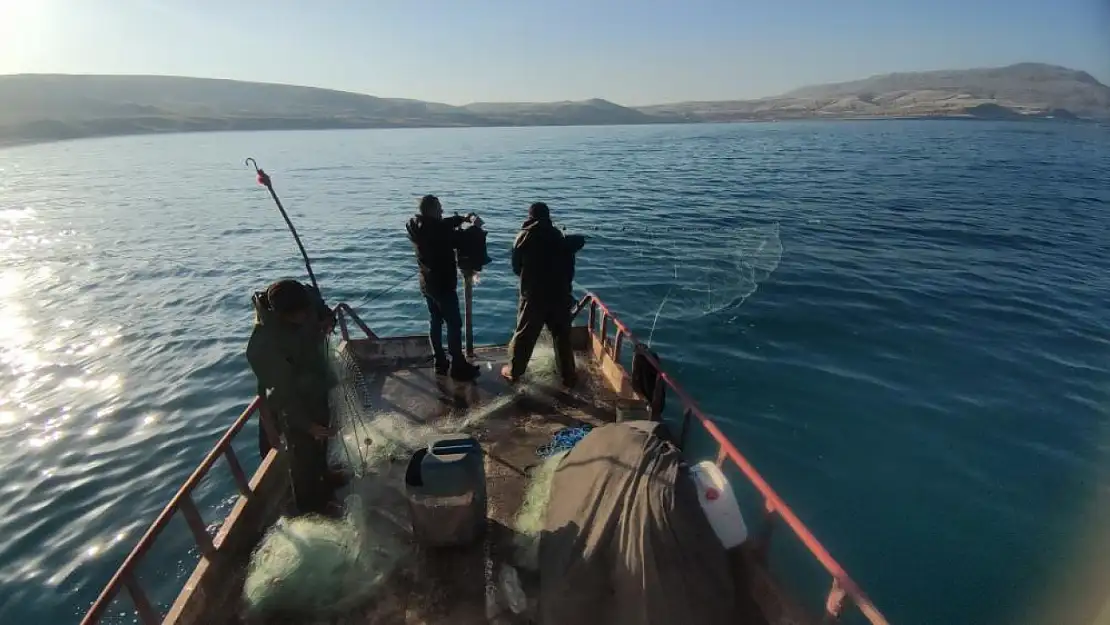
x=343 y=311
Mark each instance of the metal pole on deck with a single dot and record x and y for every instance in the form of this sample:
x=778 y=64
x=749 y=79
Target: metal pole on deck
x=468 y=296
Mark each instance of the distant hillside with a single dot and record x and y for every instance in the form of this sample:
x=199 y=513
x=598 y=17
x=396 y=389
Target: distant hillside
x=589 y=112
x=1022 y=91
x=50 y=107
x=37 y=107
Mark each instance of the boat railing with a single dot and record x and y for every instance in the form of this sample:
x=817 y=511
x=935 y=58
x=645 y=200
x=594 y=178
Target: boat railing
x=774 y=508
x=342 y=312
x=182 y=502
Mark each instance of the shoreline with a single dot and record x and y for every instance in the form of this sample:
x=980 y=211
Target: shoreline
x=15 y=142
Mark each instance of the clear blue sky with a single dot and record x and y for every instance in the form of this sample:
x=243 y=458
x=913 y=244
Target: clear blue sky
x=628 y=51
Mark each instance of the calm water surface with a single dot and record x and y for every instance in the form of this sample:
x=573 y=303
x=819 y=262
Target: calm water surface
x=902 y=324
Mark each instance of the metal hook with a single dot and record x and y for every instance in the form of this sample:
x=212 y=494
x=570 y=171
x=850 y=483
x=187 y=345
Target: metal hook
x=252 y=163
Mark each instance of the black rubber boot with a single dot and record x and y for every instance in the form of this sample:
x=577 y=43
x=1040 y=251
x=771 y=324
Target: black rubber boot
x=463 y=371
x=442 y=366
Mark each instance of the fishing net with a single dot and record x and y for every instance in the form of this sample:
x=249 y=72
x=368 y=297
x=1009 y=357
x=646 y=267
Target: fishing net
x=543 y=367
x=311 y=563
x=715 y=280
x=698 y=278
x=318 y=565
x=529 y=520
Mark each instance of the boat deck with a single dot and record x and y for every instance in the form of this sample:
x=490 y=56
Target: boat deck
x=458 y=585
x=401 y=404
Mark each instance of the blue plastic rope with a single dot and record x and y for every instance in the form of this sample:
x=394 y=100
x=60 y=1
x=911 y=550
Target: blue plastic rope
x=563 y=440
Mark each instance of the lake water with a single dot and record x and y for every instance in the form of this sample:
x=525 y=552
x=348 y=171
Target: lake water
x=914 y=349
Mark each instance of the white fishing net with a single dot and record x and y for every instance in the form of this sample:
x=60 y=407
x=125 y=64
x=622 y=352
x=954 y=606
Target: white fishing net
x=713 y=280
x=697 y=276
x=313 y=564
x=318 y=565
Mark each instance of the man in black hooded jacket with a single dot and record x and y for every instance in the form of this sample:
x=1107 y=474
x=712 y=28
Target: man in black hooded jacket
x=544 y=260
x=435 y=240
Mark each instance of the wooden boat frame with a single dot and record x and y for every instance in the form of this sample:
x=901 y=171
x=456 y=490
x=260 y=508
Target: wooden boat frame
x=261 y=496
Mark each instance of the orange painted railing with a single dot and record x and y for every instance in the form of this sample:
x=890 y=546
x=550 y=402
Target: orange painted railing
x=182 y=502
x=774 y=507
x=125 y=578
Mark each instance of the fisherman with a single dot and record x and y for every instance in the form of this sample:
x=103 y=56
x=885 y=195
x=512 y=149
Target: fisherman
x=544 y=259
x=287 y=352
x=435 y=240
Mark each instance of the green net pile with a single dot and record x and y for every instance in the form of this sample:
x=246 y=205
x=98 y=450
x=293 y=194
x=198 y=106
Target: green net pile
x=529 y=520
x=315 y=565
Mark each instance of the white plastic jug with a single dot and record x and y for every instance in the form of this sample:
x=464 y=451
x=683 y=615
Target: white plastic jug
x=719 y=502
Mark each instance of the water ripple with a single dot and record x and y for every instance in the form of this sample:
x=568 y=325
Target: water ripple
x=922 y=372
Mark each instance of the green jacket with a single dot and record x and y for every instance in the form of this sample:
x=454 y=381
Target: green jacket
x=291 y=363
x=543 y=257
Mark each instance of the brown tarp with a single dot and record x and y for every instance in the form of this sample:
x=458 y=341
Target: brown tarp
x=625 y=541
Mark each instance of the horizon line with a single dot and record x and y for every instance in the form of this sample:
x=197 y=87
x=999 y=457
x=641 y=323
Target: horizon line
x=673 y=102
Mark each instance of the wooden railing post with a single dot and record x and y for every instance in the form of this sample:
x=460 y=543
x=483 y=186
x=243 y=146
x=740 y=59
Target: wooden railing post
x=237 y=473
x=834 y=603
x=604 y=331
x=196 y=525
x=182 y=501
x=147 y=614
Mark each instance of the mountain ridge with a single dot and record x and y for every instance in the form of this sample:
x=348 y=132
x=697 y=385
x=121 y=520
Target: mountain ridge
x=1019 y=91
x=50 y=107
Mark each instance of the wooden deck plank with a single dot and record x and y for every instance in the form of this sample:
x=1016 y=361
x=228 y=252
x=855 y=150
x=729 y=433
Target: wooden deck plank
x=452 y=585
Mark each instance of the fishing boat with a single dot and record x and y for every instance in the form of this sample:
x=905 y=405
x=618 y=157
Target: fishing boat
x=396 y=371
x=620 y=380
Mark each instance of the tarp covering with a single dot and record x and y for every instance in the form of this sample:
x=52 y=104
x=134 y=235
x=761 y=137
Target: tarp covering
x=625 y=541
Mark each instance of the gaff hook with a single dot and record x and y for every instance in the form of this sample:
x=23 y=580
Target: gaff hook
x=264 y=180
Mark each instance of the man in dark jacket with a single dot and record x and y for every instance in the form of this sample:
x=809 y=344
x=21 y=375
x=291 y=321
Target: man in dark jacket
x=544 y=260
x=435 y=240
x=287 y=352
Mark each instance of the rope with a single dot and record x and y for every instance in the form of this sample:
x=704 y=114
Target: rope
x=390 y=288
x=563 y=440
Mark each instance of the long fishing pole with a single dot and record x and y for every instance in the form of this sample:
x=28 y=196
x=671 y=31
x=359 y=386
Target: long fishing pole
x=264 y=180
